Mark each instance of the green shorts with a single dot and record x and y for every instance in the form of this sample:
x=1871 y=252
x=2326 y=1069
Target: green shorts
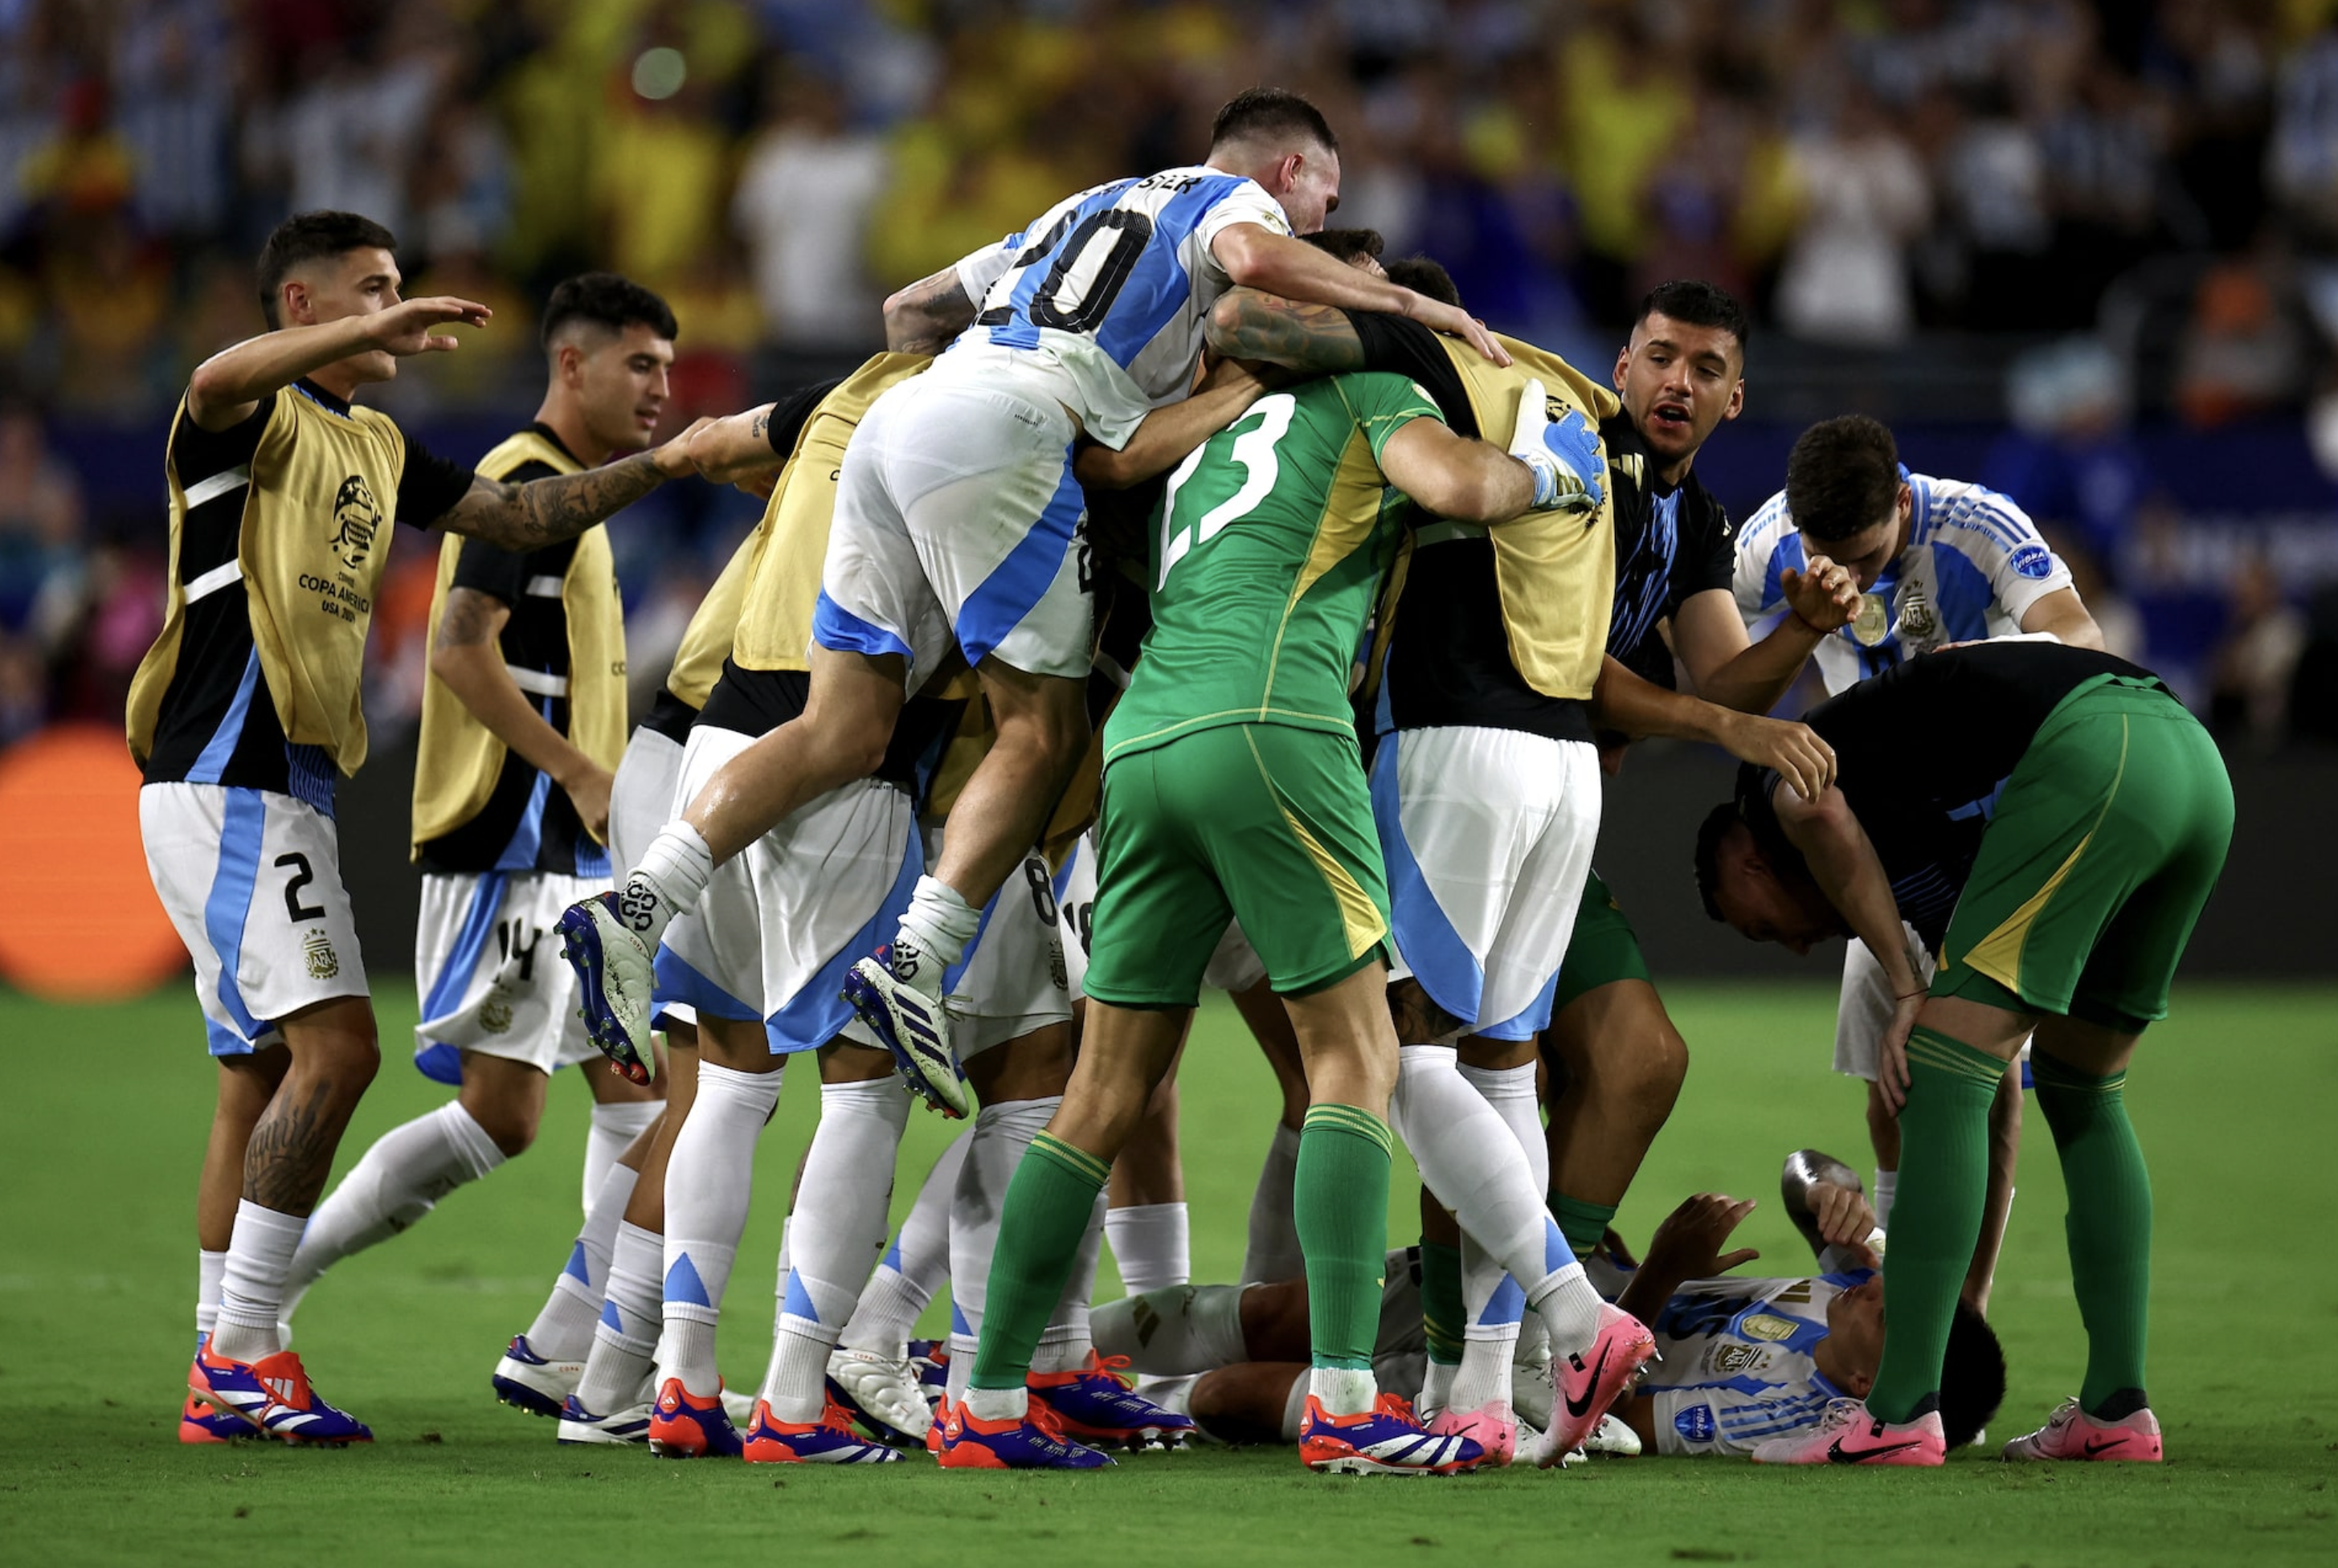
x=1263 y=823
x=1604 y=948
x=2106 y=840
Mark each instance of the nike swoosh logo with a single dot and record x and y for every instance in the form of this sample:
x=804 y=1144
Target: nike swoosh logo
x=2094 y=1448
x=1836 y=1456
x=1579 y=1408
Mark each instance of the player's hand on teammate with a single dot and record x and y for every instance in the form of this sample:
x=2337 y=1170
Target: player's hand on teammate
x=588 y=791
x=406 y=326
x=1569 y=466
x=1844 y=1216
x=1823 y=595
x=1891 y=1051
x=1687 y=1245
x=1455 y=322
x=674 y=459
x=1796 y=752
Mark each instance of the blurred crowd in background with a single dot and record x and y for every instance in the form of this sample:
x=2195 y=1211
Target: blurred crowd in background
x=2113 y=219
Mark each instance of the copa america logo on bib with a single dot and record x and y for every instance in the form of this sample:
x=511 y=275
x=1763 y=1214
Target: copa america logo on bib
x=2032 y=560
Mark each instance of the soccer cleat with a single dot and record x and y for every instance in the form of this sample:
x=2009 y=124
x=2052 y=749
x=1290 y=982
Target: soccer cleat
x=1612 y=1436
x=682 y=1427
x=963 y=1441
x=1585 y=1383
x=1386 y=1440
x=273 y=1395
x=883 y=1393
x=1094 y=1404
x=915 y=1027
x=1848 y=1435
x=615 y=974
x=1804 y=1168
x=2071 y=1433
x=621 y=1429
x=830 y=1440
x=200 y=1421
x=929 y=1359
x=527 y=1381
x=1492 y=1426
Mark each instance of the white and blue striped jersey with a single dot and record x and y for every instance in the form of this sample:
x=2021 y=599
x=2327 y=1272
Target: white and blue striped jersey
x=1736 y=1365
x=1100 y=303
x=1974 y=564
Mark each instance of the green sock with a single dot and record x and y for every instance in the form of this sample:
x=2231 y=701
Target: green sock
x=1340 y=1197
x=1935 y=1217
x=1443 y=1313
x=2108 y=1224
x=1047 y=1212
x=1583 y=1223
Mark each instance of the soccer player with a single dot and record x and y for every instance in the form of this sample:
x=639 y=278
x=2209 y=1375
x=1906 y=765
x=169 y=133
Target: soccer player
x=2050 y=820
x=241 y=713
x=955 y=534
x=523 y=723
x=1232 y=787
x=1935 y=562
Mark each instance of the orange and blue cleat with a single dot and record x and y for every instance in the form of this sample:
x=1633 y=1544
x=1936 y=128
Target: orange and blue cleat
x=1094 y=1404
x=963 y=1441
x=1386 y=1440
x=830 y=1440
x=273 y=1395
x=684 y=1426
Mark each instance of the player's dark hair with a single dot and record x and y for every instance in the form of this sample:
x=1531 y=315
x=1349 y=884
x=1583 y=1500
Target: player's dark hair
x=307 y=237
x=605 y=300
x=1700 y=304
x=1423 y=276
x=1709 y=834
x=1270 y=114
x=1843 y=476
x=1345 y=245
x=1972 y=1377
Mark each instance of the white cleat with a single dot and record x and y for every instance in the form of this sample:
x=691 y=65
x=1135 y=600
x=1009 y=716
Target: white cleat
x=621 y=1429
x=884 y=1392
x=1611 y=1437
x=616 y=973
x=740 y=1407
x=915 y=1028
x=527 y=1381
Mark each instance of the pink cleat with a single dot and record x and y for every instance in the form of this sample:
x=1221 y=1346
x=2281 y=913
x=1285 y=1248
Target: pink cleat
x=1492 y=1426
x=1585 y=1383
x=1848 y=1435
x=2071 y=1433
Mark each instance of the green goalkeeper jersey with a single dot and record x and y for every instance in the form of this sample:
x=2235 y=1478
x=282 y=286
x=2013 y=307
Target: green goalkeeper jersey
x=1271 y=543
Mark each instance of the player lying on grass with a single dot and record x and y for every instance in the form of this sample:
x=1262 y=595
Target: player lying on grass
x=2050 y=820
x=1743 y=1358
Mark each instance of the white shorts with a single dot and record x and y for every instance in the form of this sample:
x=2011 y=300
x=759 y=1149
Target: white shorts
x=1011 y=980
x=782 y=922
x=1234 y=964
x=958 y=523
x=1864 y=1010
x=1488 y=836
x=253 y=880
x=640 y=802
x=489 y=980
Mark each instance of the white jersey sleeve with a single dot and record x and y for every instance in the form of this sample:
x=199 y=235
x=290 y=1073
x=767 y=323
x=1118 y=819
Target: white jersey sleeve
x=978 y=272
x=1995 y=537
x=1766 y=546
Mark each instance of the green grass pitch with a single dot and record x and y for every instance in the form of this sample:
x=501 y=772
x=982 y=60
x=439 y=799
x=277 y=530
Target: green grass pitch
x=109 y=1105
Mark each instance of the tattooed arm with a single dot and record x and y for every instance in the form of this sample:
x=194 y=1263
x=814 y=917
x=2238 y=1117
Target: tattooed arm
x=464 y=654
x=1245 y=324
x=546 y=511
x=923 y=317
x=728 y=450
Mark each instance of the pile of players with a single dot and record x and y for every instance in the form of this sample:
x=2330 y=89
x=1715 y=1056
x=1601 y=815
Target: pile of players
x=1176 y=600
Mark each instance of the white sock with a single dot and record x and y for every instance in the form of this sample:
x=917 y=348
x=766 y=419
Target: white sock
x=1879 y=1198
x=708 y=1178
x=563 y=1330
x=1151 y=1246
x=1001 y=1133
x=392 y=1186
x=913 y=1269
x=673 y=875
x=1494 y=1302
x=1273 y=1252
x=210 y=1269
x=615 y=1128
x=1437 y=1385
x=251 y=1282
x=627 y=1336
x=1510 y=1091
x=997 y=1403
x=1065 y=1344
x=1474 y=1166
x=837 y=1227
x=1342 y=1390
x=1174 y=1331
x=935 y=929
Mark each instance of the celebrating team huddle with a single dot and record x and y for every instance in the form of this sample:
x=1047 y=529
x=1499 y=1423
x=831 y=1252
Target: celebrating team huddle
x=1184 y=597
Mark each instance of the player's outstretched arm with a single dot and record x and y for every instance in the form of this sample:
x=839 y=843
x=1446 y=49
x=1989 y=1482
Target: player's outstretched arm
x=1688 y=1246
x=1255 y=257
x=1168 y=435
x=225 y=387
x=1798 y=753
x=546 y=511
x=1454 y=476
x=466 y=655
x=1843 y=863
x=737 y=447
x=1735 y=671
x=923 y=317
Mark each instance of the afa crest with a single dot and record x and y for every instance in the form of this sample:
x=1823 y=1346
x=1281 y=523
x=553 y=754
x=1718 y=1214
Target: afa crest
x=322 y=961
